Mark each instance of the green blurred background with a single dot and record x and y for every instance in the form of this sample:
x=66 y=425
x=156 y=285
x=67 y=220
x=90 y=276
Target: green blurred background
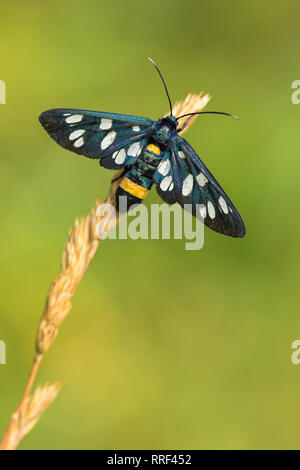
x=196 y=352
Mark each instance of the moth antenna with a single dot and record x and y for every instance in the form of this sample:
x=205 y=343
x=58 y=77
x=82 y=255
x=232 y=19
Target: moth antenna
x=162 y=78
x=209 y=112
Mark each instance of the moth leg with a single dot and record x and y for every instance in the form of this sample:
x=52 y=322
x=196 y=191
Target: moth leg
x=119 y=176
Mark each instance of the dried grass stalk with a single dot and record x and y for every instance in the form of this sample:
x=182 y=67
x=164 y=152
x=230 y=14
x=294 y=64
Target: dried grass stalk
x=29 y=413
x=81 y=246
x=79 y=250
x=192 y=104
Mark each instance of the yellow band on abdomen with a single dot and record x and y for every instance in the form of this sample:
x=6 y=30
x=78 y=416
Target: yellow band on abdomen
x=153 y=148
x=133 y=188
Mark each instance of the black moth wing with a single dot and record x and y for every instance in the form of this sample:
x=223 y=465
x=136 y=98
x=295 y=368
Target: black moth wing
x=164 y=177
x=182 y=177
x=116 y=139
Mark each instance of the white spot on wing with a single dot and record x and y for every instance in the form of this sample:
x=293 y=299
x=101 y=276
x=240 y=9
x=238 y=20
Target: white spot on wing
x=202 y=211
x=79 y=142
x=119 y=156
x=187 y=185
x=136 y=128
x=223 y=205
x=211 y=210
x=108 y=140
x=105 y=123
x=166 y=182
x=134 y=149
x=75 y=134
x=74 y=118
x=164 y=167
x=201 y=178
x=171 y=186
x=181 y=154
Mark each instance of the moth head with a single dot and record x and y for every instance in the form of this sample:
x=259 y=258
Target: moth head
x=165 y=129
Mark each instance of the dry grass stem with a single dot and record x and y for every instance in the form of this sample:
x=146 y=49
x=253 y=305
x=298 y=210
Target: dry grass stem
x=192 y=104
x=29 y=413
x=82 y=243
x=81 y=246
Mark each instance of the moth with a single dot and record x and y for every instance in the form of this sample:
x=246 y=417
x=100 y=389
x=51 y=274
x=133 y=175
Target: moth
x=148 y=152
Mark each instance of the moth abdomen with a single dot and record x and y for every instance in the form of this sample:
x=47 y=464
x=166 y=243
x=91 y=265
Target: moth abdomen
x=125 y=200
x=138 y=179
